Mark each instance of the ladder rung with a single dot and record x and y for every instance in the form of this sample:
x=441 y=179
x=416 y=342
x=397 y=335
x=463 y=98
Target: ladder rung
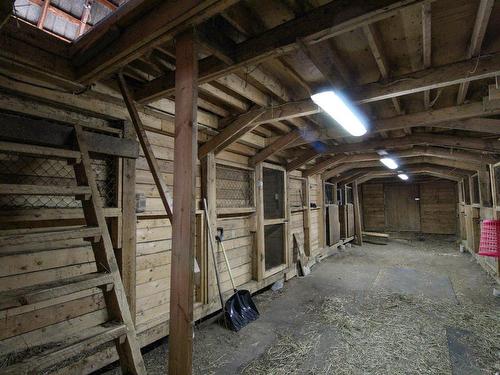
x=72 y=346
x=32 y=150
x=17 y=189
x=67 y=234
x=43 y=292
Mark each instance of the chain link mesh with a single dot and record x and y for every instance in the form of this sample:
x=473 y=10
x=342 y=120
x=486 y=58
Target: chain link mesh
x=27 y=170
x=234 y=187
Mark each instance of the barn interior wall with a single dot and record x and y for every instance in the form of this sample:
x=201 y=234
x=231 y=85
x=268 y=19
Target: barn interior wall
x=427 y=207
x=34 y=323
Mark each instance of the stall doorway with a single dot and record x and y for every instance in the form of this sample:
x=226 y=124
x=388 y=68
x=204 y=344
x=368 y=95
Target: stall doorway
x=275 y=219
x=402 y=208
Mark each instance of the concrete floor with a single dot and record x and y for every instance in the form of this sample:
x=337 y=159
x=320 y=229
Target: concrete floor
x=406 y=307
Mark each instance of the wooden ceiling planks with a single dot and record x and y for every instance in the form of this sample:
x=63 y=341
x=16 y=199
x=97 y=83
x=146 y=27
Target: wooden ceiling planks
x=292 y=76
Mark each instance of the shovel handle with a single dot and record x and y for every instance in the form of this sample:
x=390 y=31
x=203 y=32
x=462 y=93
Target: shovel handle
x=227 y=264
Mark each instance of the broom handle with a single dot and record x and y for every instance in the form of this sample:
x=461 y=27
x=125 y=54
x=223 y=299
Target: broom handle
x=210 y=235
x=227 y=264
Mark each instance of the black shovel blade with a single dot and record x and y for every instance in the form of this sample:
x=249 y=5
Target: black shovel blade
x=240 y=310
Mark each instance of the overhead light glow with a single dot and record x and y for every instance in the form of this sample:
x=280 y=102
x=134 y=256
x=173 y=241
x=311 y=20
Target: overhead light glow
x=336 y=107
x=403 y=176
x=389 y=163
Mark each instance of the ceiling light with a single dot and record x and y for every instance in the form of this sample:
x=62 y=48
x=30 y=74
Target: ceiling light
x=403 y=176
x=389 y=163
x=336 y=107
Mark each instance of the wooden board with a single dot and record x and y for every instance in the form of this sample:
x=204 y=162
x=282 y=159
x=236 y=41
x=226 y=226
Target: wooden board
x=401 y=209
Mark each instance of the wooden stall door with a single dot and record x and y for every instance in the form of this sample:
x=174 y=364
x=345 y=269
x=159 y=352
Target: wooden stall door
x=402 y=210
x=332 y=224
x=275 y=220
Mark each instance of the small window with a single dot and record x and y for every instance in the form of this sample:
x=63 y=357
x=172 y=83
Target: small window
x=274 y=245
x=348 y=194
x=340 y=196
x=274 y=206
x=497 y=183
x=329 y=191
x=462 y=192
x=466 y=190
x=475 y=189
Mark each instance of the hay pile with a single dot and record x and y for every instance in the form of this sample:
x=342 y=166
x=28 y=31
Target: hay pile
x=385 y=334
x=400 y=334
x=285 y=356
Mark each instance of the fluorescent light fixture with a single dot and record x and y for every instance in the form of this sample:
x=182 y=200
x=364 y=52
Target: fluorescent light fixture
x=403 y=176
x=389 y=163
x=336 y=107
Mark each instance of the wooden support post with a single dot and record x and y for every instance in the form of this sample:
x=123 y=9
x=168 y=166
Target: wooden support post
x=208 y=186
x=184 y=225
x=146 y=147
x=307 y=217
x=358 y=227
x=128 y=251
x=259 y=219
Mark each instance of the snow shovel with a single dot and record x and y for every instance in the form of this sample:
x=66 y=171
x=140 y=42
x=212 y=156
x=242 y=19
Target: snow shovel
x=239 y=309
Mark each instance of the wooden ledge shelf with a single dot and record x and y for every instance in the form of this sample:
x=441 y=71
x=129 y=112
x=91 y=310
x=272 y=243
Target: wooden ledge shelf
x=235 y=211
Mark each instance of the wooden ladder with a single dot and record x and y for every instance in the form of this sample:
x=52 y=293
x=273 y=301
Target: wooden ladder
x=120 y=327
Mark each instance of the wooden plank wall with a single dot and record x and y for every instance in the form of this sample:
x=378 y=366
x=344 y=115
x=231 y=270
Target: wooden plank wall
x=373 y=207
x=33 y=324
x=434 y=213
x=438 y=209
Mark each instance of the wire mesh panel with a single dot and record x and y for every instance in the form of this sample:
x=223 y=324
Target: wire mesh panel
x=296 y=193
x=27 y=170
x=234 y=187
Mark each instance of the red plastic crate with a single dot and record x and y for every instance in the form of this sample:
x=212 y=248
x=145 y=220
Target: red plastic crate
x=489 y=244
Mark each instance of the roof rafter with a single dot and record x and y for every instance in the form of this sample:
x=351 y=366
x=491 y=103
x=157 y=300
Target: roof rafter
x=480 y=25
x=320 y=24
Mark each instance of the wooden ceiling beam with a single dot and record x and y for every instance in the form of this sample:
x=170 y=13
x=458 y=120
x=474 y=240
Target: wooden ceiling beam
x=474 y=49
x=326 y=68
x=482 y=125
x=25 y=48
x=433 y=139
x=275 y=147
x=491 y=146
x=242 y=125
x=427 y=46
x=375 y=44
x=429 y=171
x=319 y=24
x=325 y=164
x=43 y=14
x=128 y=33
x=408 y=84
x=459 y=167
x=428 y=79
x=304 y=158
x=435 y=117
x=468 y=158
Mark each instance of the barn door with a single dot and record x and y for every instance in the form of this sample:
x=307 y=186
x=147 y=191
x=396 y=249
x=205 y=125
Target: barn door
x=275 y=219
x=402 y=208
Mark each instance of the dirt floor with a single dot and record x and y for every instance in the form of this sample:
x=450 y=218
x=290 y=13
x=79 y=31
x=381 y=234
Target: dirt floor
x=410 y=307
